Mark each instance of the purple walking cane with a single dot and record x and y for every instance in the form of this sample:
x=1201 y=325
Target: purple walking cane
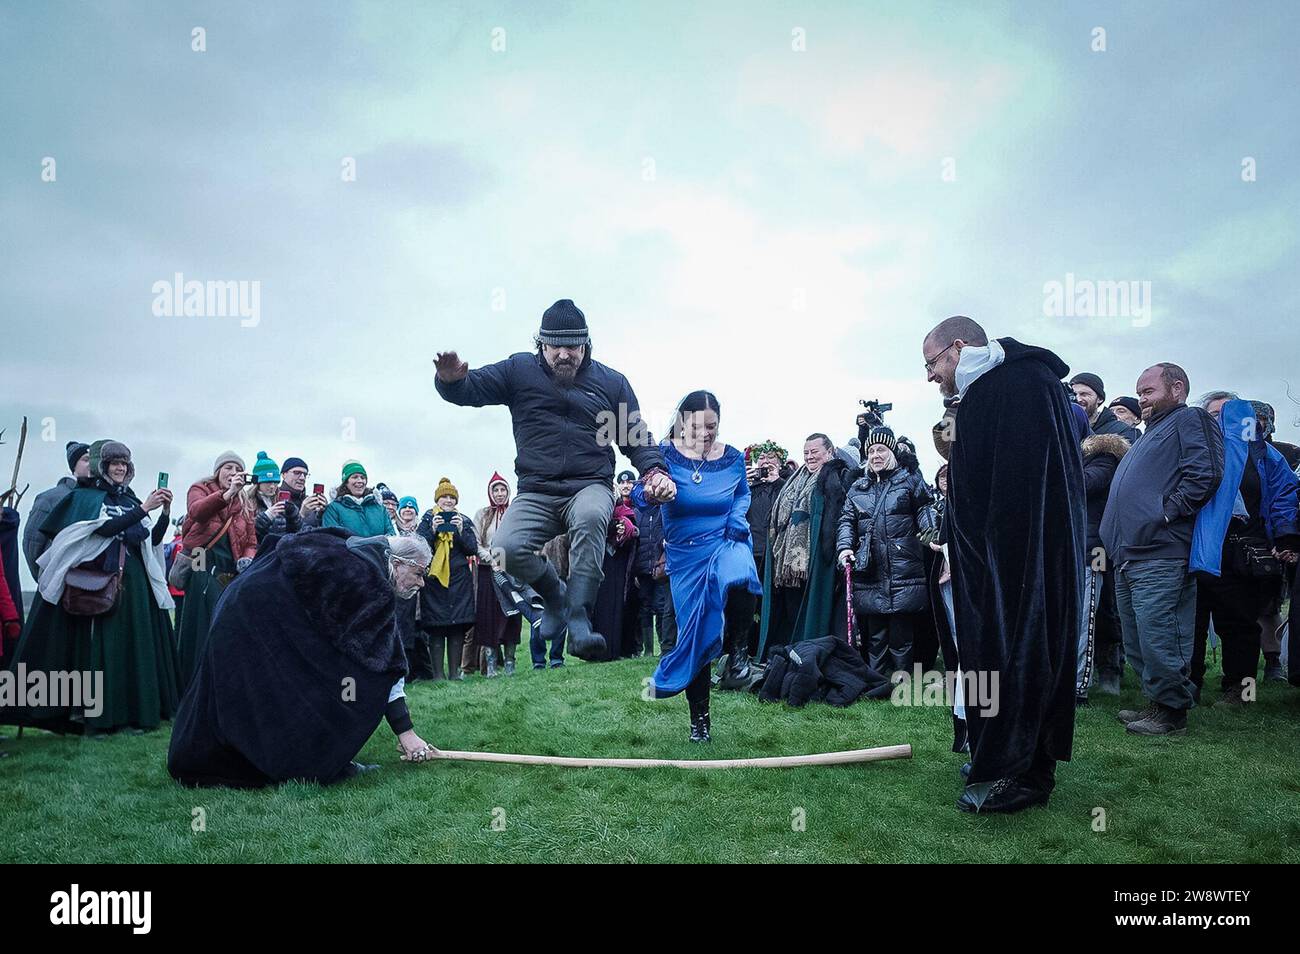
x=848 y=602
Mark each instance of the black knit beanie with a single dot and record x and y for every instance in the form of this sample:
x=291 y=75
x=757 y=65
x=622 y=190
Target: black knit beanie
x=74 y=450
x=564 y=326
x=1089 y=380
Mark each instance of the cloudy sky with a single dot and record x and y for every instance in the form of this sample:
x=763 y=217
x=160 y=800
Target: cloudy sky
x=774 y=201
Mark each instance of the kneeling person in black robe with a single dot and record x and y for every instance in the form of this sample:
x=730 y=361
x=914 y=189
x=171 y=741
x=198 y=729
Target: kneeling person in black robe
x=1017 y=532
x=304 y=660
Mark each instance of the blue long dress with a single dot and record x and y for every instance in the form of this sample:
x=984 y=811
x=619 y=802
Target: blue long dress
x=706 y=539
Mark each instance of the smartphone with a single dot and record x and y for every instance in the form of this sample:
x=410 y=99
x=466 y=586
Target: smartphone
x=318 y=489
x=250 y=478
x=446 y=516
x=162 y=480
x=283 y=496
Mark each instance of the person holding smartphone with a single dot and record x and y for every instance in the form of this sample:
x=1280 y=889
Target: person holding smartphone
x=219 y=538
x=447 y=600
x=294 y=473
x=272 y=507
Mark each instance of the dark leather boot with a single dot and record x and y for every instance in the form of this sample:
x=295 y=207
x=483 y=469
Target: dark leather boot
x=1166 y=720
x=584 y=642
x=739 y=673
x=699 y=721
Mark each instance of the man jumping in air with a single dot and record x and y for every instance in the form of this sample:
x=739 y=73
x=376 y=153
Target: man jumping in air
x=567 y=413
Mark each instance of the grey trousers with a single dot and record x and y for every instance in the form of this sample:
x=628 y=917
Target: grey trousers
x=1157 y=610
x=533 y=519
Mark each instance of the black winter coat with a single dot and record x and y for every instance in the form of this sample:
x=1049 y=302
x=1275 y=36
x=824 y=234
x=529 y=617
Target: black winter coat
x=649 y=540
x=1101 y=456
x=879 y=522
x=452 y=604
x=762 y=497
x=560 y=432
x=833 y=480
x=1108 y=423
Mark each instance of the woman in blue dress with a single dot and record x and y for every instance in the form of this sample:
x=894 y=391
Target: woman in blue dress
x=710 y=561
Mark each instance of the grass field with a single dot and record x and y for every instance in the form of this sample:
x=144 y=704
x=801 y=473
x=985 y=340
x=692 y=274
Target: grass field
x=1228 y=791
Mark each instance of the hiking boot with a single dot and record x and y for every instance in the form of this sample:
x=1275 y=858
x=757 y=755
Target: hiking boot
x=584 y=642
x=1006 y=796
x=1165 y=721
x=1137 y=715
x=489 y=663
x=1273 y=672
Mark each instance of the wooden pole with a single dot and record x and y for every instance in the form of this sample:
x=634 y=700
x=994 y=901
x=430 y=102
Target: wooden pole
x=780 y=761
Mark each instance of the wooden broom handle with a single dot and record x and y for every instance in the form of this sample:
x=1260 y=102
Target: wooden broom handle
x=878 y=754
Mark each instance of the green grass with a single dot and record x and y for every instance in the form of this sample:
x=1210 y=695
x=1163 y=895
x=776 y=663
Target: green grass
x=1227 y=791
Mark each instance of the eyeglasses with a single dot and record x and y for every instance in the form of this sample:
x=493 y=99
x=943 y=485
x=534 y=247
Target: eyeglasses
x=929 y=365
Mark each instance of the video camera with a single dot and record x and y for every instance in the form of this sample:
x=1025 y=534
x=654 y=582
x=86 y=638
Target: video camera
x=874 y=415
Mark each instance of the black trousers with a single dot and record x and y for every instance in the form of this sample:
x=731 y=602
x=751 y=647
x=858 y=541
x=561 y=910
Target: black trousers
x=1235 y=603
x=1109 y=646
x=886 y=641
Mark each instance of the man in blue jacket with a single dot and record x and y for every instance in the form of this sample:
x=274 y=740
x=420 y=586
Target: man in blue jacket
x=568 y=412
x=1159 y=487
x=1242 y=542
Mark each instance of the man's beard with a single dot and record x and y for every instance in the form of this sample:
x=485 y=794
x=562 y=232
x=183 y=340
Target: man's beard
x=408 y=593
x=948 y=389
x=564 y=372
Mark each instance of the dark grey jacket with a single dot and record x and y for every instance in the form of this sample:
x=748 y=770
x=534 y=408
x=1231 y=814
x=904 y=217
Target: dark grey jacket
x=35 y=542
x=560 y=432
x=1160 y=485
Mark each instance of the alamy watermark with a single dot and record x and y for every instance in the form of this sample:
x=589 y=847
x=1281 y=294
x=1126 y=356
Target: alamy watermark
x=1085 y=298
x=60 y=689
x=979 y=690
x=212 y=299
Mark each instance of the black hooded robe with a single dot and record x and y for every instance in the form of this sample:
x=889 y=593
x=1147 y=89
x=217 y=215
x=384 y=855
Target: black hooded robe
x=271 y=699
x=1017 y=531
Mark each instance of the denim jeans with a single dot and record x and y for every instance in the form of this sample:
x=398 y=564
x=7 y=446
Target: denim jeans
x=1157 y=611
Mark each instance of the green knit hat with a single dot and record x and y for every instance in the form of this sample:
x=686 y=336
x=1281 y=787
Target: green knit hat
x=353 y=467
x=265 y=470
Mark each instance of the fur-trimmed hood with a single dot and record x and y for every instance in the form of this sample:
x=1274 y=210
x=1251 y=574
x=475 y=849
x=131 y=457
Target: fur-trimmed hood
x=1111 y=444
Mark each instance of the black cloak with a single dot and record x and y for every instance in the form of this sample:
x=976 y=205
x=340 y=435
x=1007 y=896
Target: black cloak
x=269 y=701
x=1017 y=530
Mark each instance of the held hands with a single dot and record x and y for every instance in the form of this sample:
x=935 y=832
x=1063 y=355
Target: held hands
x=313 y=502
x=412 y=748
x=450 y=367
x=659 y=487
x=1286 y=556
x=276 y=510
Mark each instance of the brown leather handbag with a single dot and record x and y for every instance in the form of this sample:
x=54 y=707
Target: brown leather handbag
x=90 y=590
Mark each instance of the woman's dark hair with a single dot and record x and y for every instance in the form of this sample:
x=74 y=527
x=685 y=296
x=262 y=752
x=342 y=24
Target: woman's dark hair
x=695 y=401
x=342 y=491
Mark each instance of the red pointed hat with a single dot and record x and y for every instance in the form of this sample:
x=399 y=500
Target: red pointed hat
x=497 y=479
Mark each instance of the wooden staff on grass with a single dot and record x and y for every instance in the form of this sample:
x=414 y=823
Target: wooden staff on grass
x=879 y=754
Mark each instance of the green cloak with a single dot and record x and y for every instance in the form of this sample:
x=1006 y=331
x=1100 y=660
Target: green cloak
x=131 y=645
x=817 y=608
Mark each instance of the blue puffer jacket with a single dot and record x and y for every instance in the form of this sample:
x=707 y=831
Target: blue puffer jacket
x=1277 y=485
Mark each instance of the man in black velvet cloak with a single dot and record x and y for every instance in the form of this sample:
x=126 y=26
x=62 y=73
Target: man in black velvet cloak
x=1017 y=535
x=304 y=659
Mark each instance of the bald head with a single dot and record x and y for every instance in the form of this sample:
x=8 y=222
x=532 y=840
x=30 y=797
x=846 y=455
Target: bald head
x=942 y=349
x=956 y=328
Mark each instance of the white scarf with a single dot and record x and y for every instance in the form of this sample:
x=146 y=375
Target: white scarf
x=976 y=361
x=77 y=543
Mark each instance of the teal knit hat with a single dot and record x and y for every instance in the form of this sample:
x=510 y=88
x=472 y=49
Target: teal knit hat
x=408 y=502
x=353 y=467
x=265 y=470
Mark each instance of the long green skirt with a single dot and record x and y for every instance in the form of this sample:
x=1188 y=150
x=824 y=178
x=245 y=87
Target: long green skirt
x=132 y=645
x=195 y=620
